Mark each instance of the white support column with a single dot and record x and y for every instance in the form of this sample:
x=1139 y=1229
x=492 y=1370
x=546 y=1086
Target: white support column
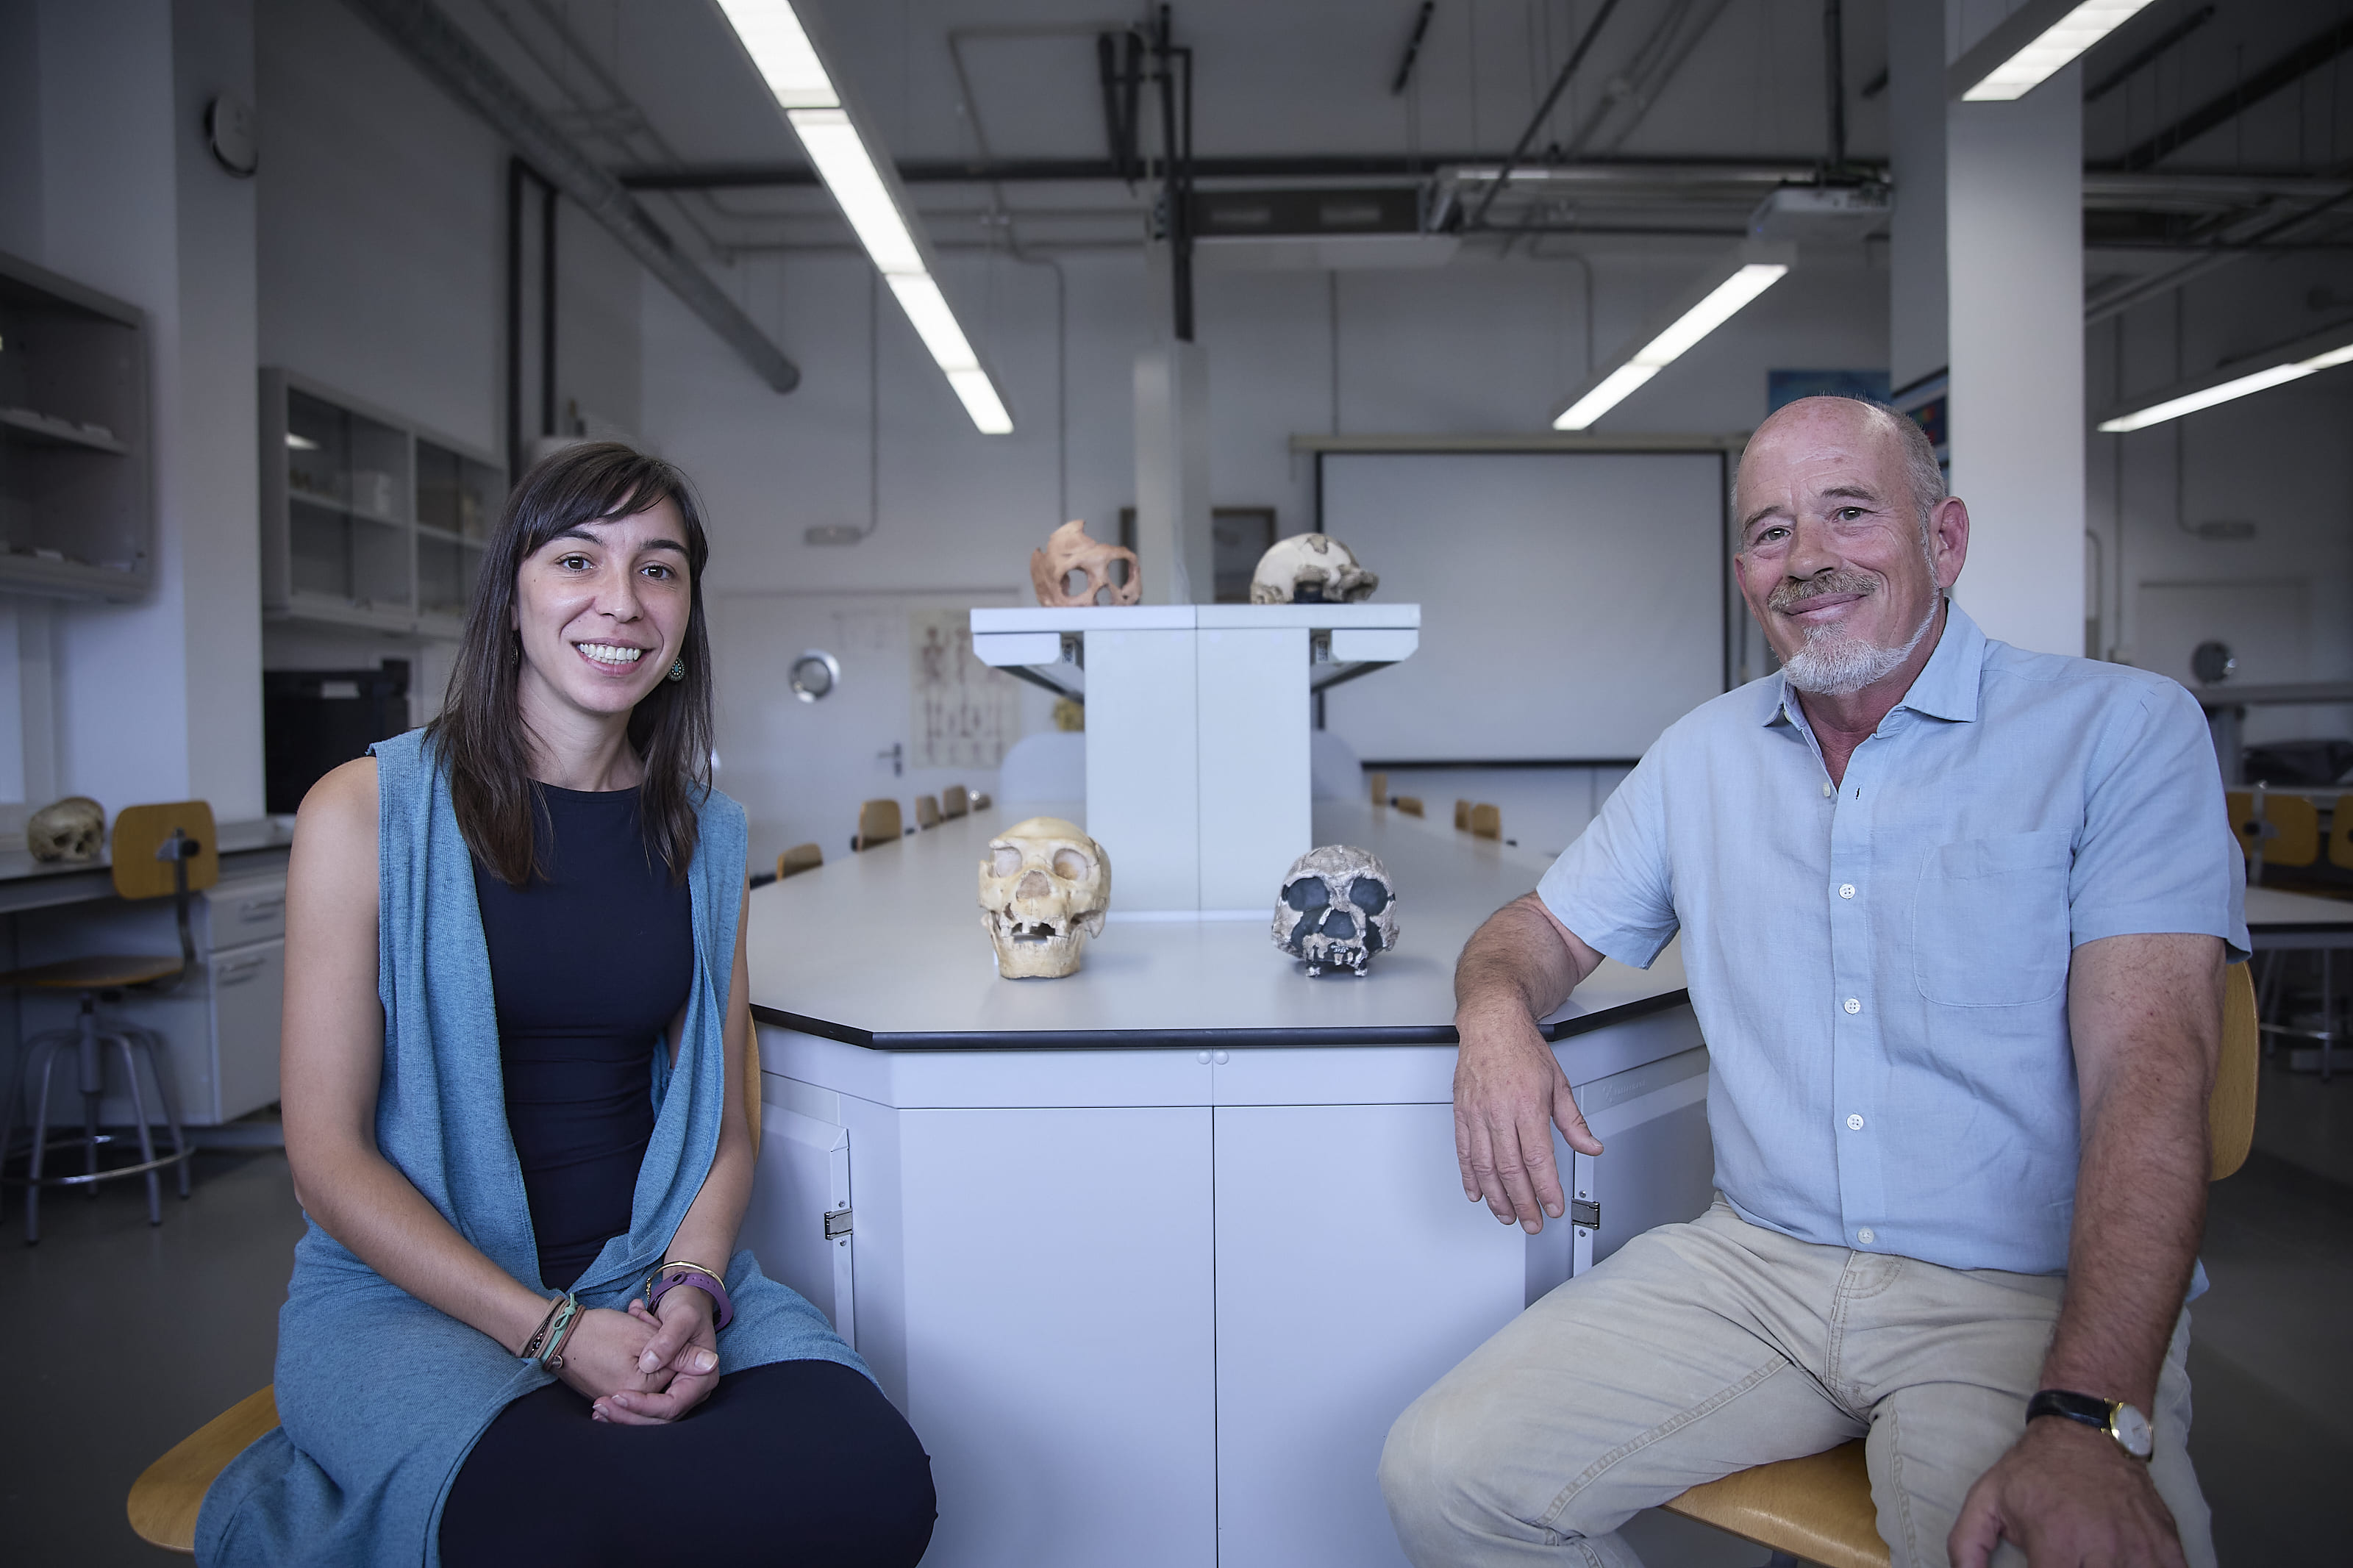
x=1256 y=794
x=1172 y=474
x=1144 y=795
x=1988 y=262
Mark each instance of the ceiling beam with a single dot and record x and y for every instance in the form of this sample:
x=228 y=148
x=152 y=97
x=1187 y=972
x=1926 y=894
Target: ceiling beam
x=2290 y=67
x=1280 y=166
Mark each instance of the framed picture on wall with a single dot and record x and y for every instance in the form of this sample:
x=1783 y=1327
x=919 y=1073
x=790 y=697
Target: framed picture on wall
x=1239 y=535
x=1925 y=400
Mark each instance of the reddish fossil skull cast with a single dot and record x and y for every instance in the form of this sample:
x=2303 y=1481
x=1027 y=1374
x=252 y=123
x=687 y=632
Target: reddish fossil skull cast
x=1069 y=553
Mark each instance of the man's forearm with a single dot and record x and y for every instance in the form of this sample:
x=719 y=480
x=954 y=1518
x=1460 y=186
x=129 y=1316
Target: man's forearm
x=1519 y=957
x=2146 y=1015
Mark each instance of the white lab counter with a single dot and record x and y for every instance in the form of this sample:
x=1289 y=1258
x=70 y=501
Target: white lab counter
x=1152 y=1256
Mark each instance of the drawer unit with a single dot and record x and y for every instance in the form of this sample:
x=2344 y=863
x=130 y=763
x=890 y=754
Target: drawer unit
x=221 y=1033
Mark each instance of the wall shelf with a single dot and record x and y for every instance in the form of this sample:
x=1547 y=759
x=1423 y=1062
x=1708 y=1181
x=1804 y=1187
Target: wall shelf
x=75 y=512
x=368 y=522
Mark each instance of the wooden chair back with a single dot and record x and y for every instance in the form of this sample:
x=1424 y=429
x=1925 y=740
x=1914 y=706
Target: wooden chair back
x=2340 y=834
x=141 y=832
x=979 y=799
x=927 y=811
x=798 y=859
x=1380 y=783
x=1461 y=816
x=1819 y=1507
x=954 y=801
x=1408 y=804
x=878 y=822
x=1486 y=821
x=2276 y=830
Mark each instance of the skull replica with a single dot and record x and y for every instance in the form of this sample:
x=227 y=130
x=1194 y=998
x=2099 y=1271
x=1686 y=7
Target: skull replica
x=1043 y=891
x=1069 y=550
x=68 y=829
x=1338 y=909
x=1310 y=569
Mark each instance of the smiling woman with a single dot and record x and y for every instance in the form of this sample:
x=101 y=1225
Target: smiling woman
x=517 y=1040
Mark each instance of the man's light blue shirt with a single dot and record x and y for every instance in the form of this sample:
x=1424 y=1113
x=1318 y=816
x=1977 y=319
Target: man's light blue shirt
x=1880 y=967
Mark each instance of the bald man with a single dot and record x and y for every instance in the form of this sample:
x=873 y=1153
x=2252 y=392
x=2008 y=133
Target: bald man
x=1955 y=917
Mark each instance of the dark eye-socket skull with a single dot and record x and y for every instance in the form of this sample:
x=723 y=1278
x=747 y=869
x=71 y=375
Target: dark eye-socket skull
x=1337 y=909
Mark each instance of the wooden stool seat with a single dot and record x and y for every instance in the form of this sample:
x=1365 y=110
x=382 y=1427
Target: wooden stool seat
x=165 y=1498
x=107 y=972
x=1817 y=1508
x=798 y=859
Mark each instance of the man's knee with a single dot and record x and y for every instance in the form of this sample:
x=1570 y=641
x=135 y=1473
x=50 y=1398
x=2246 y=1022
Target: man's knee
x=1437 y=1480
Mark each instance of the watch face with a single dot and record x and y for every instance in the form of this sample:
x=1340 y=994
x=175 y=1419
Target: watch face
x=2131 y=1428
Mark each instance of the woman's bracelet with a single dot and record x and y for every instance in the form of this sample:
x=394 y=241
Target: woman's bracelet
x=546 y=1345
x=703 y=1280
x=529 y=1350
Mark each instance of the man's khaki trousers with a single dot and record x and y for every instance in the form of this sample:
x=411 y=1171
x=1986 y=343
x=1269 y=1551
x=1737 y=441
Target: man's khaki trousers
x=1701 y=1349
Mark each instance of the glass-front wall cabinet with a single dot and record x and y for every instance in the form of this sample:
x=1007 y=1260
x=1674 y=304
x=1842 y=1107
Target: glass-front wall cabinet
x=367 y=521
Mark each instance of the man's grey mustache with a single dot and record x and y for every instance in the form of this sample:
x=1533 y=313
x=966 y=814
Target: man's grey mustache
x=1789 y=594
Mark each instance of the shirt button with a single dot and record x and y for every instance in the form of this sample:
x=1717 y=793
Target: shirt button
x=1846 y=889
x=1865 y=1235
x=1853 y=1004
x=1829 y=789
x=1854 y=1124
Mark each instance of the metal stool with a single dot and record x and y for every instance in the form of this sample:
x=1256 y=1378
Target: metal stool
x=158 y=850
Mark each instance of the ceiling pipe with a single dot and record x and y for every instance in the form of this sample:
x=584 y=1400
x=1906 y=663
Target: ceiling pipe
x=448 y=58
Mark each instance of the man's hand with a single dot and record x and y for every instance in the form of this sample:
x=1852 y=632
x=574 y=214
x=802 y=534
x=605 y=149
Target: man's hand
x=2065 y=1493
x=1509 y=1094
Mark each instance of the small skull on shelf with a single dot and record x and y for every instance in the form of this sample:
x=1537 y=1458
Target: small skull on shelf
x=1068 y=553
x=1338 y=908
x=1044 y=890
x=68 y=829
x=1310 y=569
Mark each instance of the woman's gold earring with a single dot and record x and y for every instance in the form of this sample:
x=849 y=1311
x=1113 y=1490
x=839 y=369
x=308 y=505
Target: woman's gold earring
x=678 y=670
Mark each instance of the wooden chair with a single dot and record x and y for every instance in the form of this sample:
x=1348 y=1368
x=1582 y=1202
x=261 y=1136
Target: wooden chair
x=979 y=799
x=1819 y=1508
x=927 y=811
x=1380 y=783
x=798 y=859
x=954 y=801
x=165 y=1498
x=2274 y=829
x=1486 y=822
x=1461 y=816
x=159 y=851
x=2340 y=834
x=1408 y=804
x=878 y=822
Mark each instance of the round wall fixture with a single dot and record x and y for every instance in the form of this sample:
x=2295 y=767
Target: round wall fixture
x=814 y=675
x=2213 y=661
x=228 y=128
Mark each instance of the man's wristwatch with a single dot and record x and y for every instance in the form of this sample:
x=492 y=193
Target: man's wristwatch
x=2128 y=1426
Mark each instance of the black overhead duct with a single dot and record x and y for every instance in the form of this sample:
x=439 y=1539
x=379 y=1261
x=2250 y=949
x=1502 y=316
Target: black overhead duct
x=445 y=55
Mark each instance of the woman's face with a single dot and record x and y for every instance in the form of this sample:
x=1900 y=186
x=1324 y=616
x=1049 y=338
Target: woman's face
x=602 y=610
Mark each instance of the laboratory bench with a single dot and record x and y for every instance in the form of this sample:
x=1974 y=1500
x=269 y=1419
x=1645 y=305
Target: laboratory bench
x=1152 y=1256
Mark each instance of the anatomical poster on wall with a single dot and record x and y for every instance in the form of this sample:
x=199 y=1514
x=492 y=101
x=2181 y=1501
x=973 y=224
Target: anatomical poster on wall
x=964 y=713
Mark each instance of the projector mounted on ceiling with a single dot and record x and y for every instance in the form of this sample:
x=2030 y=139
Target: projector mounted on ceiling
x=1820 y=212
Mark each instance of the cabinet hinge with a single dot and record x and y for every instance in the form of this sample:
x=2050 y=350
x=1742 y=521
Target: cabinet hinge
x=837 y=1223
x=1585 y=1212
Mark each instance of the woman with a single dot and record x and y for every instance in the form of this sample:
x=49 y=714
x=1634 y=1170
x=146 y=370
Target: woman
x=516 y=1034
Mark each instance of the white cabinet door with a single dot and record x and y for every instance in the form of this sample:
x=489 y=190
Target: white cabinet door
x=1657 y=1165
x=1058 y=1335
x=1351 y=1275
x=803 y=1177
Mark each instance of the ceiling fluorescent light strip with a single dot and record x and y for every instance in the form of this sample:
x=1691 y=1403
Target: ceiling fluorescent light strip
x=1720 y=305
x=2225 y=392
x=772 y=34
x=2013 y=68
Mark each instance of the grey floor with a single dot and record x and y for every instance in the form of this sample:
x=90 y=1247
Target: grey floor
x=127 y=1338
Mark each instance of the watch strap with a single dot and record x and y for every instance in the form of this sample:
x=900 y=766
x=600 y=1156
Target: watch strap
x=2092 y=1411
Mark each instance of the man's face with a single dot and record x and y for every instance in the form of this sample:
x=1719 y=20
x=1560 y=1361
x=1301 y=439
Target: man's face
x=1832 y=558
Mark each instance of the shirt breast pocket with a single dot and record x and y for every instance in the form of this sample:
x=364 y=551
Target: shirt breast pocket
x=1989 y=925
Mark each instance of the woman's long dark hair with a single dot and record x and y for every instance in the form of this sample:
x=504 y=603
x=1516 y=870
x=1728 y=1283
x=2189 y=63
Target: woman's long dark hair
x=481 y=733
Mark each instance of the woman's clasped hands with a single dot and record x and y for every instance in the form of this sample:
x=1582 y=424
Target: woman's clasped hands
x=642 y=1367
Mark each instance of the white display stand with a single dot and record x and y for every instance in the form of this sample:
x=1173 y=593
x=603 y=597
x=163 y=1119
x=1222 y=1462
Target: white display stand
x=1198 y=715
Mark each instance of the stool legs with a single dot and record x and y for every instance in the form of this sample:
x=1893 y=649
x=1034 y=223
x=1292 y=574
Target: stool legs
x=47 y=1055
x=91 y=1044
x=139 y=1115
x=156 y=1048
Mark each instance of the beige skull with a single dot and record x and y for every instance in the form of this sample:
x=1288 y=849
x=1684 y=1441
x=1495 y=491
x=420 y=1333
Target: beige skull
x=1310 y=569
x=68 y=829
x=1043 y=891
x=1069 y=553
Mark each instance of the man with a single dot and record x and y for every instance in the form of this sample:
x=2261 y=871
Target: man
x=1955 y=916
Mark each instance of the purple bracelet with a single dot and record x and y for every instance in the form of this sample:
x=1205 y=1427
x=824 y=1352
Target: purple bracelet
x=702 y=1280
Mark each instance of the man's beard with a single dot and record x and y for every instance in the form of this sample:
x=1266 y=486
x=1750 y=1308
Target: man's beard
x=1835 y=662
